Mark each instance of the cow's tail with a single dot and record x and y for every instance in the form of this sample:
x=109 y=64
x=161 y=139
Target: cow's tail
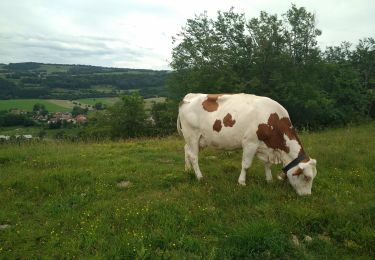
x=179 y=127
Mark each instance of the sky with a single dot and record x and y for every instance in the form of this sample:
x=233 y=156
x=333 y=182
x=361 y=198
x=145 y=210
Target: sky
x=138 y=33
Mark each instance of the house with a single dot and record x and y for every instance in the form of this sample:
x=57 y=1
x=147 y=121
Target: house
x=41 y=118
x=16 y=111
x=61 y=116
x=81 y=119
x=25 y=137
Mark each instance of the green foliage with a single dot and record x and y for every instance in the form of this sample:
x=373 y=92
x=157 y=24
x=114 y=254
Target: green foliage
x=28 y=104
x=128 y=117
x=37 y=80
x=164 y=117
x=77 y=110
x=99 y=106
x=278 y=58
x=166 y=213
x=11 y=119
x=40 y=109
x=25 y=66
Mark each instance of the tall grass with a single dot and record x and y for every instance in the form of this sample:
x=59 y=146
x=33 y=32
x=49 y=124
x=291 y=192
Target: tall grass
x=62 y=200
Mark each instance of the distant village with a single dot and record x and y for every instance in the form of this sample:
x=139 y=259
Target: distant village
x=61 y=117
x=53 y=120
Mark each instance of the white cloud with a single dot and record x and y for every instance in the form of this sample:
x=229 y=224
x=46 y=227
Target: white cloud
x=137 y=33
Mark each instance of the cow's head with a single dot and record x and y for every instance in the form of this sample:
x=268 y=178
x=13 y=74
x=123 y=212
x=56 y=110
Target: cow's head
x=301 y=177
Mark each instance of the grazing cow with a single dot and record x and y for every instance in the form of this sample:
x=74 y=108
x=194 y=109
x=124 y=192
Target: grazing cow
x=258 y=125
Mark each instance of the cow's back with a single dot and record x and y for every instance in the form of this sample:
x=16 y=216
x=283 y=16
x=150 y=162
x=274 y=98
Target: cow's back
x=225 y=121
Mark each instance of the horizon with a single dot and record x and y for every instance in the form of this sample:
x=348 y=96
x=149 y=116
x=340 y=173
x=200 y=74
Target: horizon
x=90 y=65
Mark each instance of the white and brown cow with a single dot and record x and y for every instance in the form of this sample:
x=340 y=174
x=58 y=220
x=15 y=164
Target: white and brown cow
x=258 y=125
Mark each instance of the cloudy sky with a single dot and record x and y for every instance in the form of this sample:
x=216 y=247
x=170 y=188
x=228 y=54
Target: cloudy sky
x=138 y=33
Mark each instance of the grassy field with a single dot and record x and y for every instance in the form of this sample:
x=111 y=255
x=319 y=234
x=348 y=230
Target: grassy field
x=27 y=104
x=34 y=131
x=93 y=101
x=55 y=105
x=62 y=200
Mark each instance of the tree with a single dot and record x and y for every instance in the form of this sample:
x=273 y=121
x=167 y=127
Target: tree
x=99 y=106
x=164 y=116
x=268 y=44
x=363 y=58
x=301 y=34
x=128 y=117
x=40 y=109
x=210 y=55
x=77 y=110
x=278 y=58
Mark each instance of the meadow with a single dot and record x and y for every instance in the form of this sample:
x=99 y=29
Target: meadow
x=131 y=199
x=28 y=104
x=59 y=105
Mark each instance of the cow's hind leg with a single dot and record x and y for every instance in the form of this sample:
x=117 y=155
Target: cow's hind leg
x=267 y=169
x=192 y=149
x=187 y=160
x=249 y=151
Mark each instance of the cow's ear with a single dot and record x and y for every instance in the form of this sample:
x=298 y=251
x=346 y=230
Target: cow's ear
x=308 y=175
x=302 y=165
x=298 y=172
x=313 y=162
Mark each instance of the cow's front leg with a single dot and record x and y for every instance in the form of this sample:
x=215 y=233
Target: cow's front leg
x=267 y=169
x=247 y=159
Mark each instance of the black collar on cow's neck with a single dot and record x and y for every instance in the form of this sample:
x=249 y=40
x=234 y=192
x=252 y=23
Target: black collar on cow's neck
x=295 y=162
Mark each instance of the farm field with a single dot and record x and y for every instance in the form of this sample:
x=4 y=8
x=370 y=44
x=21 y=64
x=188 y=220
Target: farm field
x=131 y=199
x=93 y=101
x=27 y=104
x=57 y=105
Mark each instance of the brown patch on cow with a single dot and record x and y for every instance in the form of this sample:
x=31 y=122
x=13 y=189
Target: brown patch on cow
x=272 y=133
x=217 y=125
x=210 y=104
x=228 y=121
x=298 y=172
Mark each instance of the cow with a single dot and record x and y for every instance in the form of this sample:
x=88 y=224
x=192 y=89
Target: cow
x=258 y=125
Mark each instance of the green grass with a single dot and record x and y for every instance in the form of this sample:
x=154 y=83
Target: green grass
x=54 y=68
x=35 y=130
x=27 y=105
x=93 y=101
x=54 y=105
x=61 y=200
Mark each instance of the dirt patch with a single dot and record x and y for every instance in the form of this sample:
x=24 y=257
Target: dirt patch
x=124 y=184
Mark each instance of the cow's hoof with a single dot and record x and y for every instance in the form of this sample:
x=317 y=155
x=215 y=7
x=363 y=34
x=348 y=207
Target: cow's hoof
x=242 y=183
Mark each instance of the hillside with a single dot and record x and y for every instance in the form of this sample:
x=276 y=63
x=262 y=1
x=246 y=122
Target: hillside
x=61 y=199
x=57 y=81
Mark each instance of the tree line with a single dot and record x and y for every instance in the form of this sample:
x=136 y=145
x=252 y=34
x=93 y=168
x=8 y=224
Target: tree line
x=37 y=80
x=278 y=57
